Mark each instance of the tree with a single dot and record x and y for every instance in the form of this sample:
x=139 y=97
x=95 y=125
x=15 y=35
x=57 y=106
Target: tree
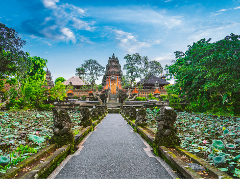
x=11 y=57
x=36 y=69
x=61 y=79
x=92 y=69
x=125 y=81
x=80 y=72
x=208 y=73
x=133 y=66
x=141 y=67
x=154 y=67
x=58 y=91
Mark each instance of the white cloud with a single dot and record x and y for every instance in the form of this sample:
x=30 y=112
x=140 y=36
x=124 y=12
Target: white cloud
x=222 y=10
x=69 y=34
x=165 y=56
x=50 y=3
x=79 y=24
x=137 y=15
x=129 y=42
x=237 y=7
x=64 y=16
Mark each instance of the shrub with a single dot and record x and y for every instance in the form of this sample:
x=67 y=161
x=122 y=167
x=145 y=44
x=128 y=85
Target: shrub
x=140 y=99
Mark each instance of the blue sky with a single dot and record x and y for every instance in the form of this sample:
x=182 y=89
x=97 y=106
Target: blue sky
x=67 y=32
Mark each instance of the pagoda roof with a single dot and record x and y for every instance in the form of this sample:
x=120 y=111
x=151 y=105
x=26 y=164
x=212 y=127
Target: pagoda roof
x=76 y=81
x=152 y=80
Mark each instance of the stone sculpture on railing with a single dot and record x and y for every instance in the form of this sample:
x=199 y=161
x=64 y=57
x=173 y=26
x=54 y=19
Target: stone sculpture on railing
x=132 y=113
x=62 y=128
x=141 y=119
x=95 y=114
x=86 y=117
x=166 y=132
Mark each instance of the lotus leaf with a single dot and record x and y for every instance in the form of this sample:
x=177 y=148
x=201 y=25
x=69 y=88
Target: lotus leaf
x=230 y=146
x=218 y=144
x=218 y=160
x=236 y=158
x=225 y=132
x=36 y=138
x=4 y=160
x=210 y=156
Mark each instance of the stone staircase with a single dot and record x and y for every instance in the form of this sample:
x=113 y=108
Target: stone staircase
x=112 y=103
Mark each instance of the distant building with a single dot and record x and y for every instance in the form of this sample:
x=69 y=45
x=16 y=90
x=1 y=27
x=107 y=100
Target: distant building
x=50 y=83
x=75 y=81
x=113 y=75
x=150 y=80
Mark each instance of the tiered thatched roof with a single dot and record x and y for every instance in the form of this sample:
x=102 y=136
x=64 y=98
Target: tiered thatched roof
x=76 y=81
x=150 y=81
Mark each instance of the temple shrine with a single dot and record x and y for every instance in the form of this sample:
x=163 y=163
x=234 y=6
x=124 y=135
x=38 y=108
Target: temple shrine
x=113 y=74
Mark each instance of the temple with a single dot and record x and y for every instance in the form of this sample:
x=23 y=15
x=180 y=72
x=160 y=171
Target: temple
x=113 y=74
x=50 y=83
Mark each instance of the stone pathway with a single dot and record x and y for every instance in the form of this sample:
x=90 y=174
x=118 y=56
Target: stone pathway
x=113 y=150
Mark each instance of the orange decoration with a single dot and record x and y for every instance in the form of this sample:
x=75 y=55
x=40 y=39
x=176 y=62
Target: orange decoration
x=135 y=91
x=157 y=91
x=70 y=91
x=90 y=92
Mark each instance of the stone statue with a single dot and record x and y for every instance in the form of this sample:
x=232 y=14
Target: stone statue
x=132 y=113
x=62 y=122
x=166 y=132
x=62 y=128
x=86 y=117
x=141 y=119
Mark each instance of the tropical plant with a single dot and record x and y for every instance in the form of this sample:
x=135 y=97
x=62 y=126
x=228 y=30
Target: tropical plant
x=208 y=74
x=61 y=79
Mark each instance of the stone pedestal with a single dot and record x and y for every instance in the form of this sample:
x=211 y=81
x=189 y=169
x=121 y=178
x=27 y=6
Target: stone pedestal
x=166 y=132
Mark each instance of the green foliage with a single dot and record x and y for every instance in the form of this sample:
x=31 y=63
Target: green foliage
x=208 y=73
x=140 y=99
x=151 y=97
x=80 y=72
x=92 y=69
x=12 y=58
x=133 y=66
x=58 y=91
x=139 y=67
x=61 y=79
x=126 y=81
x=83 y=97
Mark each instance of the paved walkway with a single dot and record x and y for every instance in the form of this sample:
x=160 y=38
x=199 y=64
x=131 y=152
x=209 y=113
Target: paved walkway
x=113 y=150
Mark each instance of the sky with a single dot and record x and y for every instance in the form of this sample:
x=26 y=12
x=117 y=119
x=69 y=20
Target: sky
x=67 y=32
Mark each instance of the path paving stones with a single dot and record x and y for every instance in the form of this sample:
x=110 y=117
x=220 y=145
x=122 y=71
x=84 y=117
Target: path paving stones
x=113 y=150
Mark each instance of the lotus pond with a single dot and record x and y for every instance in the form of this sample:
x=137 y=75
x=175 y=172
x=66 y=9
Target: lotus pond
x=24 y=133
x=214 y=139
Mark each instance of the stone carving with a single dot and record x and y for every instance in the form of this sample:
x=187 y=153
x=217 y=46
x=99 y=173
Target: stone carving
x=62 y=128
x=86 y=117
x=166 y=132
x=62 y=122
x=141 y=119
x=132 y=113
x=95 y=114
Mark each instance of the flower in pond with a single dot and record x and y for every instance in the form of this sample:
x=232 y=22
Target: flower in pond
x=204 y=141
